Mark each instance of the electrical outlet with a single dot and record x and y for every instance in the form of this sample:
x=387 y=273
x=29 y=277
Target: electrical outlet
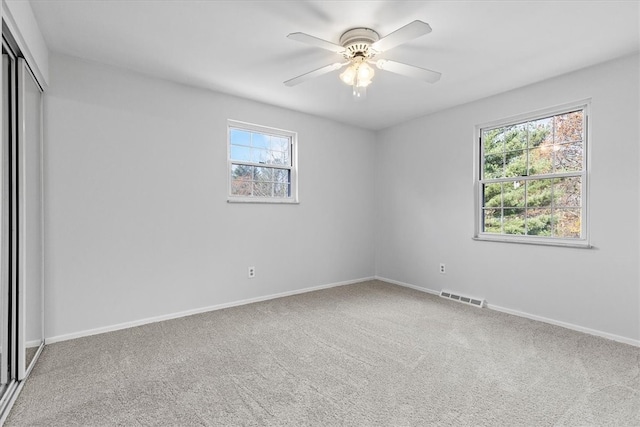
x=442 y=269
x=252 y=272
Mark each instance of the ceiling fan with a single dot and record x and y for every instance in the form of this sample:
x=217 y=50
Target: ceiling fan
x=358 y=47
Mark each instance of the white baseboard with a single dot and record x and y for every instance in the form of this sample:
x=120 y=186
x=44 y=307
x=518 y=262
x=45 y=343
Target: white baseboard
x=574 y=327
x=618 y=338
x=140 y=322
x=407 y=285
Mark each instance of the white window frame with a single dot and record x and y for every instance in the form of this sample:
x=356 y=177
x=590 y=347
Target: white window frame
x=583 y=241
x=292 y=167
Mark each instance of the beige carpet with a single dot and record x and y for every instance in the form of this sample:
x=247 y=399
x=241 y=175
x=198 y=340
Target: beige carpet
x=362 y=355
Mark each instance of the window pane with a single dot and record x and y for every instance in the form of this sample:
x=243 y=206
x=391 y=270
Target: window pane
x=240 y=137
x=263 y=174
x=259 y=155
x=568 y=127
x=492 y=221
x=514 y=221
x=541 y=131
x=241 y=188
x=513 y=194
x=539 y=192
x=281 y=175
x=493 y=166
x=568 y=157
x=286 y=158
x=281 y=189
x=240 y=153
x=493 y=141
x=541 y=160
x=516 y=137
x=278 y=158
x=539 y=222
x=259 y=140
x=567 y=192
x=492 y=195
x=244 y=171
x=516 y=163
x=566 y=223
x=263 y=189
x=279 y=144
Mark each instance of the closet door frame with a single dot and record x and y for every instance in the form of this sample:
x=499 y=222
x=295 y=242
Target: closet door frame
x=24 y=261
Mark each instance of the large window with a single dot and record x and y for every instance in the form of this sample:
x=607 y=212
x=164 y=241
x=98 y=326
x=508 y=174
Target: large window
x=262 y=164
x=532 y=179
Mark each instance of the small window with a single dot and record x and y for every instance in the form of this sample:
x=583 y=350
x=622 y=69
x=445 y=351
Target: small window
x=532 y=179
x=262 y=164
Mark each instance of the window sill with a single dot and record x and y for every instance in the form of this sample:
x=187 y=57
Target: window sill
x=580 y=244
x=262 y=201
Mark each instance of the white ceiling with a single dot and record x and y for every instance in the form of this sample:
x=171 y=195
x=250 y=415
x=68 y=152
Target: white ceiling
x=240 y=47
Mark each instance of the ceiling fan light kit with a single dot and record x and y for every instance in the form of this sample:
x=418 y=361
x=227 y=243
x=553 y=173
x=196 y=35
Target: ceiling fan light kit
x=357 y=43
x=358 y=75
x=359 y=46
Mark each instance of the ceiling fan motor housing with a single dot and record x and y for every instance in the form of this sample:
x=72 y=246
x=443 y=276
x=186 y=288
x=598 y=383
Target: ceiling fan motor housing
x=357 y=42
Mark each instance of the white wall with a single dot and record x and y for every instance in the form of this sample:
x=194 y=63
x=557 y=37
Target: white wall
x=138 y=226
x=426 y=211
x=137 y=222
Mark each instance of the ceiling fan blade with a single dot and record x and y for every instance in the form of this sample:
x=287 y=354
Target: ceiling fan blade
x=315 y=73
x=314 y=41
x=402 y=35
x=409 y=70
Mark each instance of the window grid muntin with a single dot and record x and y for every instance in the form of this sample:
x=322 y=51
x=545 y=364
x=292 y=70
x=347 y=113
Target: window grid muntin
x=581 y=174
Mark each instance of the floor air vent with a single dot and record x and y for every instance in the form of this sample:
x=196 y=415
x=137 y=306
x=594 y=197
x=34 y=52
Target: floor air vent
x=476 y=302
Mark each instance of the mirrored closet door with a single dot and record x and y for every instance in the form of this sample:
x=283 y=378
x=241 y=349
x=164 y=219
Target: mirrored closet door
x=30 y=291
